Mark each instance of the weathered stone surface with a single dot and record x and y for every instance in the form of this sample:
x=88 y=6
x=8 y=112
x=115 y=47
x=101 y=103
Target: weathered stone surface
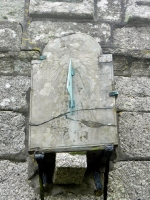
x=127 y=66
x=69 y=168
x=43 y=31
x=140 y=68
x=17 y=63
x=12 y=135
x=129 y=180
x=22 y=63
x=137 y=11
x=22 y=67
x=93 y=121
x=69 y=196
x=135 y=53
x=10 y=36
x=14 y=182
x=134 y=93
x=87 y=133
x=109 y=10
x=105 y=58
x=131 y=38
x=128 y=103
x=86 y=189
x=13 y=93
x=83 y=9
x=121 y=66
x=134 y=134
x=12 y=10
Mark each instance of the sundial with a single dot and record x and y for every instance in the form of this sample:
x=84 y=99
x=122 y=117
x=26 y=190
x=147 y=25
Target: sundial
x=71 y=109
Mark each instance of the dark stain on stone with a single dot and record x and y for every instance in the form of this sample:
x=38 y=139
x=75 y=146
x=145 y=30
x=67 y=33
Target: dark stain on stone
x=92 y=124
x=143 y=3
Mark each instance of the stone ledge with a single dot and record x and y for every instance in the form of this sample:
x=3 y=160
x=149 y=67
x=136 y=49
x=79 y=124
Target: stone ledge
x=56 y=9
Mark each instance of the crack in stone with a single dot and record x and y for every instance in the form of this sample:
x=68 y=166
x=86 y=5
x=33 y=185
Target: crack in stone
x=65 y=114
x=31 y=124
x=90 y=124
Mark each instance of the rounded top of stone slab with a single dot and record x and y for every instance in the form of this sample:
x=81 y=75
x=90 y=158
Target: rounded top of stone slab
x=75 y=43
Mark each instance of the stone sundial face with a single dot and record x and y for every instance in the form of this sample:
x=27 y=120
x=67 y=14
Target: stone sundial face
x=91 y=122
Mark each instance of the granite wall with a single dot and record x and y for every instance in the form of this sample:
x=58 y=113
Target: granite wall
x=122 y=28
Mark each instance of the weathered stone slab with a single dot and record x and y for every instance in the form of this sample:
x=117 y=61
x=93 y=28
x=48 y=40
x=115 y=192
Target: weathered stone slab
x=137 y=11
x=109 y=10
x=18 y=63
x=129 y=180
x=14 y=182
x=10 y=36
x=134 y=134
x=134 y=93
x=69 y=168
x=59 y=134
x=12 y=135
x=93 y=120
x=13 y=93
x=48 y=30
x=83 y=9
x=132 y=38
x=12 y=10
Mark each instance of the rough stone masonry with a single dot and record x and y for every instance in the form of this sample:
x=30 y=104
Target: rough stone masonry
x=122 y=29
